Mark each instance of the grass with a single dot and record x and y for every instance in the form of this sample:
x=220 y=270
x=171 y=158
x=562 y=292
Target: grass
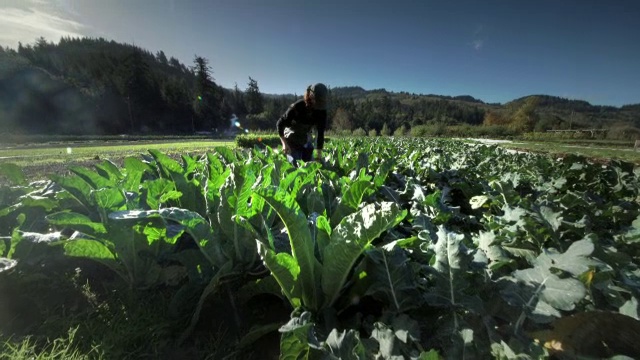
x=600 y=152
x=34 y=154
x=58 y=349
x=76 y=314
x=39 y=160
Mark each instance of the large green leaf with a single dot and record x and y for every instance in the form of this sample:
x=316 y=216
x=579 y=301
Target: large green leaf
x=286 y=271
x=490 y=245
x=234 y=206
x=298 y=338
x=302 y=247
x=259 y=211
x=228 y=155
x=349 y=239
x=345 y=345
x=94 y=179
x=560 y=293
x=32 y=201
x=77 y=187
x=452 y=277
x=194 y=224
x=350 y=200
x=93 y=250
x=166 y=165
x=159 y=192
x=215 y=166
x=31 y=247
x=387 y=342
x=554 y=219
x=77 y=222
x=134 y=170
x=192 y=194
x=136 y=251
x=109 y=170
x=109 y=199
x=382 y=172
x=541 y=294
x=390 y=278
x=305 y=176
x=574 y=261
x=322 y=236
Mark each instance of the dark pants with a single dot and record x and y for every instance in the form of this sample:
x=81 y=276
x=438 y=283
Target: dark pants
x=304 y=153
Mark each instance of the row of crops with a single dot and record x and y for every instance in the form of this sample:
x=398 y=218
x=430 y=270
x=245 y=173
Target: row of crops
x=389 y=249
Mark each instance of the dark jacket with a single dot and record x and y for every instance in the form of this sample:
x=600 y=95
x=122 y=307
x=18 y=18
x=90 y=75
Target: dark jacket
x=296 y=123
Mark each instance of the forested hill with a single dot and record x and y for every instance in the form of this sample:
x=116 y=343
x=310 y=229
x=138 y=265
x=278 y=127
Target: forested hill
x=96 y=86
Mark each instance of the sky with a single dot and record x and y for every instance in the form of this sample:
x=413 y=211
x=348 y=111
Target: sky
x=493 y=50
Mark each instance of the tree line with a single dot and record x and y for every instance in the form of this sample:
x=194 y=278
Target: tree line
x=96 y=86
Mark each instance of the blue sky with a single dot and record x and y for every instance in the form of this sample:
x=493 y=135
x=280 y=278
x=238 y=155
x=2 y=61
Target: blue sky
x=494 y=50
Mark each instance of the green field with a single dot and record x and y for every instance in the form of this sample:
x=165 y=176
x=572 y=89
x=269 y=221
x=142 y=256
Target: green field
x=40 y=159
x=407 y=248
x=597 y=151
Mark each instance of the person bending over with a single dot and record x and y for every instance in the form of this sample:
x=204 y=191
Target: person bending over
x=296 y=124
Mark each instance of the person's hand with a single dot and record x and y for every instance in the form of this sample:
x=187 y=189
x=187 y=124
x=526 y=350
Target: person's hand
x=285 y=148
x=319 y=155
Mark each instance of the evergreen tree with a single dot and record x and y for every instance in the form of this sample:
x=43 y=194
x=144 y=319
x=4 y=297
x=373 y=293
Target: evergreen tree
x=238 y=105
x=162 y=58
x=253 y=100
x=140 y=92
x=206 y=104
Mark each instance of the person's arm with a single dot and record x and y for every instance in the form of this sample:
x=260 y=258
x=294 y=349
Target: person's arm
x=284 y=121
x=321 y=125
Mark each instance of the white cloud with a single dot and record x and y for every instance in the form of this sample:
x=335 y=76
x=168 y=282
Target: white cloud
x=478 y=41
x=27 y=24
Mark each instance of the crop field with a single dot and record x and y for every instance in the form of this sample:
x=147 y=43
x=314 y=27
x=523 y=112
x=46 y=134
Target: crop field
x=40 y=159
x=387 y=249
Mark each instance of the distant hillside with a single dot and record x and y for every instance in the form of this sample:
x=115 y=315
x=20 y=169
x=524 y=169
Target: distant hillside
x=581 y=113
x=357 y=91
x=96 y=86
x=553 y=112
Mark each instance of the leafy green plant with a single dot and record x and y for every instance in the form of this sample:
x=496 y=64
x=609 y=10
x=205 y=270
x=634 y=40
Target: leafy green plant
x=483 y=248
x=306 y=281
x=399 y=340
